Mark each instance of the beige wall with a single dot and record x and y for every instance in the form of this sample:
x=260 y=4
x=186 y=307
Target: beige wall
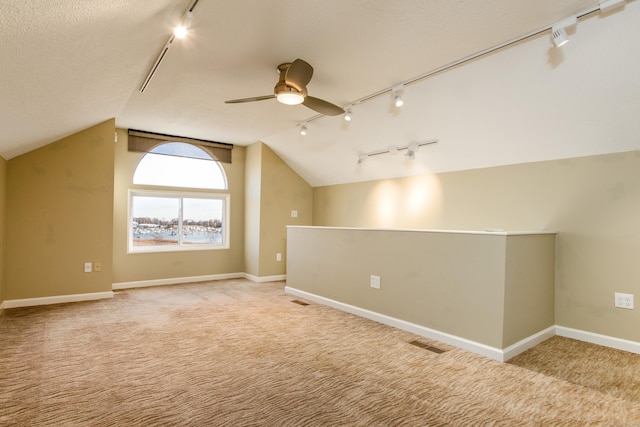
x=529 y=292
x=166 y=265
x=592 y=202
x=451 y=282
x=282 y=190
x=3 y=204
x=253 y=169
x=59 y=215
x=67 y=203
x=273 y=191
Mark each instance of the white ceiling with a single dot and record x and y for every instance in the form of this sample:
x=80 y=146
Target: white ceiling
x=68 y=64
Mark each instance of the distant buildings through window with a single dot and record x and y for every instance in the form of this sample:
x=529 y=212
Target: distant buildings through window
x=186 y=206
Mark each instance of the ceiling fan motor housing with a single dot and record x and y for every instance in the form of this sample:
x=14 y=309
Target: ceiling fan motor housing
x=285 y=93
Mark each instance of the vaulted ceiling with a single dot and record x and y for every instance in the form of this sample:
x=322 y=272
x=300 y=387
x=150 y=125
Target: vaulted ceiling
x=68 y=64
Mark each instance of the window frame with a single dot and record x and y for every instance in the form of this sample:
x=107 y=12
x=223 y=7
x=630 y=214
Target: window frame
x=180 y=246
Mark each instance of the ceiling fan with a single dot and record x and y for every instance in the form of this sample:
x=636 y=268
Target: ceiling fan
x=291 y=89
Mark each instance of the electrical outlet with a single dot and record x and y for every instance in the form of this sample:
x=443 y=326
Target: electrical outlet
x=375 y=282
x=97 y=266
x=88 y=267
x=278 y=256
x=294 y=214
x=624 y=300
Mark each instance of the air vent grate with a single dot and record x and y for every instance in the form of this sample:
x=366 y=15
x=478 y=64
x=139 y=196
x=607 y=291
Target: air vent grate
x=427 y=347
x=297 y=301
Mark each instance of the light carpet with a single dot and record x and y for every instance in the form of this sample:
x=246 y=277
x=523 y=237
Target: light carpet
x=238 y=353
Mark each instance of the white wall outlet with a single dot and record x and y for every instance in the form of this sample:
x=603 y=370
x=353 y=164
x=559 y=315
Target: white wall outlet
x=278 y=256
x=88 y=267
x=294 y=214
x=624 y=300
x=375 y=282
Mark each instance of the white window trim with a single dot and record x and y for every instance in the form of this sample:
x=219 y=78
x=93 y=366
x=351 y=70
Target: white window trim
x=180 y=195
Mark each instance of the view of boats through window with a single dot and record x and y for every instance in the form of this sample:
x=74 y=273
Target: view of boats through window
x=156 y=221
x=176 y=219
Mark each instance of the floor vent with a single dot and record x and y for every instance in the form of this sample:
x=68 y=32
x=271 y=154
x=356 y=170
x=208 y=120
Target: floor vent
x=427 y=347
x=297 y=301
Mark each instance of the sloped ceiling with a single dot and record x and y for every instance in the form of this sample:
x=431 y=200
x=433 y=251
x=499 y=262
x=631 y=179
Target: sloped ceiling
x=69 y=64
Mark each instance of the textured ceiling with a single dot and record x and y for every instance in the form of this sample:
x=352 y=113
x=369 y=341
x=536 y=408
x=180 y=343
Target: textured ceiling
x=69 y=64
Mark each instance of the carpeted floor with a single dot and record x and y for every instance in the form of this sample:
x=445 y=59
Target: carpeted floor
x=237 y=353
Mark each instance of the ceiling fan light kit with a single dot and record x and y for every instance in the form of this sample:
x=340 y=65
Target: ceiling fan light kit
x=290 y=98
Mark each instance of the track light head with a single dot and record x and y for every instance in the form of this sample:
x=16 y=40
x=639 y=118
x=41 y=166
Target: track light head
x=411 y=152
x=303 y=130
x=181 y=30
x=559 y=31
x=559 y=36
x=348 y=115
x=396 y=93
x=362 y=158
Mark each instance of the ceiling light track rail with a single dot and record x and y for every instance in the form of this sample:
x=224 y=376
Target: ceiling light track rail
x=163 y=52
x=410 y=150
x=603 y=6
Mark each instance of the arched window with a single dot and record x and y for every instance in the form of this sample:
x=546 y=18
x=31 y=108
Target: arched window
x=178 y=164
x=186 y=210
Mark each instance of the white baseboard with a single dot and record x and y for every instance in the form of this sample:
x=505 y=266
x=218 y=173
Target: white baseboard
x=27 y=302
x=604 y=340
x=58 y=299
x=175 y=281
x=527 y=343
x=501 y=355
x=463 y=343
x=261 y=279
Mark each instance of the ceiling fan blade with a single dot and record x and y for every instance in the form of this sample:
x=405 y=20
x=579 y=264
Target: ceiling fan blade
x=255 y=98
x=299 y=74
x=322 y=107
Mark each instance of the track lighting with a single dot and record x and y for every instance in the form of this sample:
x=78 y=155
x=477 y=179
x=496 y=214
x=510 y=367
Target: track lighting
x=396 y=93
x=181 y=30
x=559 y=32
x=560 y=37
x=607 y=5
x=411 y=151
x=303 y=130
